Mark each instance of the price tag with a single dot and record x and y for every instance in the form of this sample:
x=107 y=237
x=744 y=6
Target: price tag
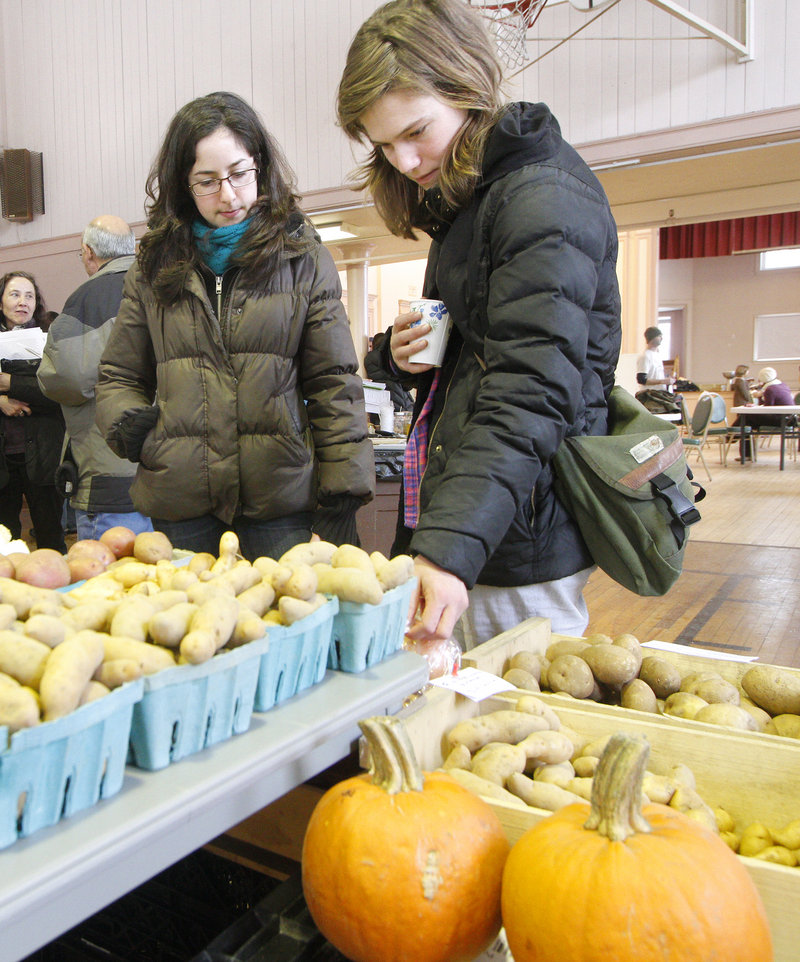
x=473 y=683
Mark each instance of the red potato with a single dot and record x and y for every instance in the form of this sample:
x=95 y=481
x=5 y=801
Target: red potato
x=7 y=569
x=120 y=539
x=83 y=566
x=16 y=558
x=45 y=568
x=93 y=549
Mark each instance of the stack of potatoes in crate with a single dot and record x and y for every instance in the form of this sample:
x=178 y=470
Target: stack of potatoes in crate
x=740 y=782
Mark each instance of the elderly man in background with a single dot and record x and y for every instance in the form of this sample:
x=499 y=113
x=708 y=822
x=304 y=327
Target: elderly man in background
x=68 y=374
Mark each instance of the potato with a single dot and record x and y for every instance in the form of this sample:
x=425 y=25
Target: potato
x=349 y=584
x=631 y=643
x=458 y=757
x=350 y=556
x=211 y=627
x=202 y=561
x=637 y=694
x=682 y=704
x=565 y=646
x=789 y=835
x=120 y=540
x=528 y=661
x=520 y=678
x=48 y=629
x=94 y=614
x=249 y=627
x=395 y=572
x=151 y=546
x=755 y=838
x=44 y=568
x=295 y=609
x=786 y=725
x=168 y=627
x=497 y=760
x=547 y=747
x=773 y=689
x=302 y=583
x=68 y=671
x=482 y=786
x=7 y=569
x=599 y=638
x=691 y=680
x=498 y=726
x=661 y=675
x=132 y=617
x=118 y=671
x=23 y=658
x=727 y=715
x=258 y=598
x=92 y=548
x=8 y=615
x=541 y=794
x=152 y=658
x=570 y=674
x=777 y=854
x=558 y=774
x=717 y=690
x=83 y=566
x=535 y=706
x=307 y=552
x=93 y=691
x=611 y=665
x=19 y=706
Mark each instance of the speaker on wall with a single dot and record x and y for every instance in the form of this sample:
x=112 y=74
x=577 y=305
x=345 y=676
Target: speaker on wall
x=21 y=184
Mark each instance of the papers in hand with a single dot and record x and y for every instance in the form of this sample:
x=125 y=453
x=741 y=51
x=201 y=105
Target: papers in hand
x=22 y=344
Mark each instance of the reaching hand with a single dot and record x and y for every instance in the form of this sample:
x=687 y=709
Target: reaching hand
x=407 y=341
x=440 y=600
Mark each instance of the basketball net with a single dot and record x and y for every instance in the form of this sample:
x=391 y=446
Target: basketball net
x=509 y=22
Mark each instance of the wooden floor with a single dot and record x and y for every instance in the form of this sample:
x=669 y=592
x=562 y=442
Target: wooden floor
x=740 y=586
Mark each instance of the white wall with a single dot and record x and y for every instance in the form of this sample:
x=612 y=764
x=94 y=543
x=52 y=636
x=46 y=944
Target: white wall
x=93 y=83
x=723 y=296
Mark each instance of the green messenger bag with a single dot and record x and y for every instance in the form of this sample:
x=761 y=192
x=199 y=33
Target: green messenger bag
x=631 y=494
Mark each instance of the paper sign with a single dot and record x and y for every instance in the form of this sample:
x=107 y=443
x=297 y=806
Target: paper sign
x=22 y=344
x=699 y=652
x=473 y=683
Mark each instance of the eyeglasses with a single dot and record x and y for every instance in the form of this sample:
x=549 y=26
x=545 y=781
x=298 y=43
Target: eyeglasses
x=212 y=185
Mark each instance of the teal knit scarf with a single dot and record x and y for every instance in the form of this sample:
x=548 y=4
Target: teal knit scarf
x=217 y=244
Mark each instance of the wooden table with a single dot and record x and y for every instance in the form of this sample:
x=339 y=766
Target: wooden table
x=785 y=411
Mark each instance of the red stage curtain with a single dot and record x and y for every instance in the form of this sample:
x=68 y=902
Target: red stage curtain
x=720 y=238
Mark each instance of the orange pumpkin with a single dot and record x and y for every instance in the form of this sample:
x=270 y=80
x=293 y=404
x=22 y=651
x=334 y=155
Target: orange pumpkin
x=649 y=885
x=400 y=866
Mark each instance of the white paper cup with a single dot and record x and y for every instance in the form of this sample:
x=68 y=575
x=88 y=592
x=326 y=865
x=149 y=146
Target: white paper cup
x=437 y=315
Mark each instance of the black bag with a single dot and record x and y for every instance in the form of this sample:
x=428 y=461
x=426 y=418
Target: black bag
x=630 y=493
x=659 y=402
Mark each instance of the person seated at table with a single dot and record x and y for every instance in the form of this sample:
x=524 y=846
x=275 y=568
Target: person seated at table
x=740 y=385
x=772 y=390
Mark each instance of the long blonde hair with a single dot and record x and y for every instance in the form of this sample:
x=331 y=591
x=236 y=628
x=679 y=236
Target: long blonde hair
x=434 y=47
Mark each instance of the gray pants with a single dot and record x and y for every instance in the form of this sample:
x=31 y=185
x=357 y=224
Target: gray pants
x=494 y=610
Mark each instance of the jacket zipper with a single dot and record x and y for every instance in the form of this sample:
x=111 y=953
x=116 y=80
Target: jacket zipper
x=219 y=299
x=435 y=426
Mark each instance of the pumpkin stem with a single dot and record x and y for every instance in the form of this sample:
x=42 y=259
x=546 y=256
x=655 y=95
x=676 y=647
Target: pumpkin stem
x=393 y=764
x=617 y=789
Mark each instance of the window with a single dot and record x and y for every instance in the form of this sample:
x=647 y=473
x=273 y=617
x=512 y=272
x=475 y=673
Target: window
x=776 y=337
x=782 y=258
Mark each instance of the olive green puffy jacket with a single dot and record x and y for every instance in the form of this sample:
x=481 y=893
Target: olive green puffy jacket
x=261 y=415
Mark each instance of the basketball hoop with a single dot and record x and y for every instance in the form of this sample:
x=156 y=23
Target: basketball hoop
x=509 y=22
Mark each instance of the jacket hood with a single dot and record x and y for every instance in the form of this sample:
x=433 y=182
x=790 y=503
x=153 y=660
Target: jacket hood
x=525 y=134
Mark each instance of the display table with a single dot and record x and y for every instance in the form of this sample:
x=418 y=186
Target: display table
x=783 y=414
x=59 y=876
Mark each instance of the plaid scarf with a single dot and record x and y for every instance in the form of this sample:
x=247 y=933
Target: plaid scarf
x=416 y=457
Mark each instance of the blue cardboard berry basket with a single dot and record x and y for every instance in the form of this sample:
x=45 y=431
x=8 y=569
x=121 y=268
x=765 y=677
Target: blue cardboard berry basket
x=55 y=769
x=297 y=656
x=365 y=634
x=190 y=707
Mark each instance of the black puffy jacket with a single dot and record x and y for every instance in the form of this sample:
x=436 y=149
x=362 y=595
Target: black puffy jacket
x=528 y=272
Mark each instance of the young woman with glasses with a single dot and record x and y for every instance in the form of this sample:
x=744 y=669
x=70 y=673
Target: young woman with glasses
x=230 y=374
x=523 y=254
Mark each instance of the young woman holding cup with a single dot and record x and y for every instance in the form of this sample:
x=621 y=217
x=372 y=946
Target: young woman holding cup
x=523 y=255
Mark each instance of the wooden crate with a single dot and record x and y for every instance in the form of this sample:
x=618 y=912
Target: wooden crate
x=534 y=635
x=751 y=779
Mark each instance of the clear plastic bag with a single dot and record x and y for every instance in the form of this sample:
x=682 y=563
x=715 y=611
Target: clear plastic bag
x=443 y=657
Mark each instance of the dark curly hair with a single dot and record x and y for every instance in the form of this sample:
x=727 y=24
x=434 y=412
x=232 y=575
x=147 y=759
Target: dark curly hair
x=167 y=252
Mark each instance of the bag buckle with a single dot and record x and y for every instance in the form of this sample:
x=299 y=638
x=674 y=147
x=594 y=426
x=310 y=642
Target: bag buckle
x=680 y=507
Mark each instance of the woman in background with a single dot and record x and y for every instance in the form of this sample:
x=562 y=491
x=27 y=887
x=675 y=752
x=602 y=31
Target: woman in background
x=230 y=374
x=31 y=425
x=523 y=255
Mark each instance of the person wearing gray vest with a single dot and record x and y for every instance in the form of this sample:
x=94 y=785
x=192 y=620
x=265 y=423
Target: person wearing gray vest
x=68 y=374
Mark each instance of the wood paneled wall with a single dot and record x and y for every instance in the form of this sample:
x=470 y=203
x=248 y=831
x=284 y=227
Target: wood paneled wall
x=92 y=84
